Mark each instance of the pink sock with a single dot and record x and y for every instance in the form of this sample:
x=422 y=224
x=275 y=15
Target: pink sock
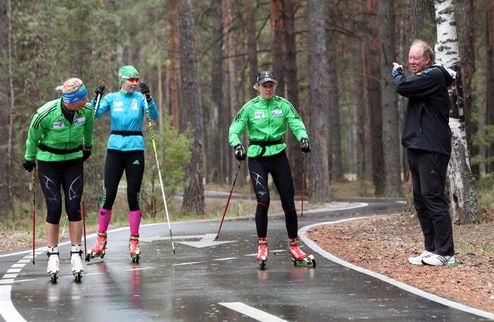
x=104 y=216
x=134 y=221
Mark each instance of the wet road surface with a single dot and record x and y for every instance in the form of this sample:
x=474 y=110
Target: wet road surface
x=208 y=281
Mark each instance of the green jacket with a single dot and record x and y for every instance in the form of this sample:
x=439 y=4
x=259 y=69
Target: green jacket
x=50 y=128
x=266 y=120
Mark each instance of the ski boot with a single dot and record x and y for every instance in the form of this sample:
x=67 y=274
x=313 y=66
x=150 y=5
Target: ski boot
x=262 y=252
x=76 y=263
x=135 y=253
x=99 y=249
x=53 y=268
x=298 y=256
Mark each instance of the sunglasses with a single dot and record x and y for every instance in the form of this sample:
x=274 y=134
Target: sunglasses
x=133 y=79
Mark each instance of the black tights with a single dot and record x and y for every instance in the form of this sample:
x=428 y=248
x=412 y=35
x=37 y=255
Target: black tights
x=115 y=164
x=279 y=168
x=69 y=176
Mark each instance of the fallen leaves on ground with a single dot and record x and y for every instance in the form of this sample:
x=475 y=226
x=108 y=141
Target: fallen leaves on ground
x=383 y=244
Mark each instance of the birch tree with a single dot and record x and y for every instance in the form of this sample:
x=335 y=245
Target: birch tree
x=463 y=198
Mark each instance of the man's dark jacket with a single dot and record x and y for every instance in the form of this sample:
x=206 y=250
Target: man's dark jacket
x=426 y=117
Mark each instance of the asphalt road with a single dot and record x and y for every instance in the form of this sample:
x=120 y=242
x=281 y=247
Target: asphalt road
x=209 y=280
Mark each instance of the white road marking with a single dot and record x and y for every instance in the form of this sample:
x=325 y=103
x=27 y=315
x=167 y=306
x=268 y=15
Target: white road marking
x=5 y=281
x=18 y=265
x=10 y=275
x=7 y=309
x=207 y=240
x=303 y=236
x=225 y=259
x=251 y=312
x=188 y=263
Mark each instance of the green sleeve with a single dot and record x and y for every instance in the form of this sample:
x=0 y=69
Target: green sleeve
x=88 y=126
x=33 y=136
x=295 y=122
x=238 y=126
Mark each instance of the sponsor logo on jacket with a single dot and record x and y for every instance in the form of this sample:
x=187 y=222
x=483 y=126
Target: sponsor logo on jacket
x=277 y=113
x=118 y=106
x=80 y=121
x=259 y=115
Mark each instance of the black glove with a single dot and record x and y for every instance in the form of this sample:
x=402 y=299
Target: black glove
x=100 y=90
x=86 y=153
x=240 y=154
x=304 y=145
x=145 y=91
x=29 y=165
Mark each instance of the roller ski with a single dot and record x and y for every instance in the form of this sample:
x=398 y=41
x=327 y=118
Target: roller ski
x=262 y=252
x=298 y=256
x=135 y=252
x=99 y=249
x=76 y=263
x=53 y=268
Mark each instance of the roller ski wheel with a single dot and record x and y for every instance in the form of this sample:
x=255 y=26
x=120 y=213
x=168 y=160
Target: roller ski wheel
x=135 y=259
x=298 y=256
x=78 y=277
x=53 y=267
x=99 y=249
x=309 y=261
x=262 y=264
x=262 y=252
x=76 y=263
x=54 y=278
x=135 y=252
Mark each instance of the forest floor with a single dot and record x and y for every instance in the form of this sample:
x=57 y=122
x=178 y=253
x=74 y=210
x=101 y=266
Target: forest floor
x=383 y=244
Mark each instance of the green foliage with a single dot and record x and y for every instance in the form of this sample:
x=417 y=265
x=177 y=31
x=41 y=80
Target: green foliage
x=174 y=156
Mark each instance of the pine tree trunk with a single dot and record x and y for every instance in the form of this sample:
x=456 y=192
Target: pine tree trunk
x=173 y=50
x=489 y=77
x=360 y=113
x=318 y=102
x=218 y=141
x=277 y=45
x=463 y=198
x=372 y=51
x=390 y=133
x=4 y=105
x=292 y=92
x=193 y=201
x=467 y=47
x=335 y=157
x=230 y=51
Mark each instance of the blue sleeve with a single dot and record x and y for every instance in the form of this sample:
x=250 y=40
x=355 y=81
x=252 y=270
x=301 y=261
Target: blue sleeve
x=153 y=110
x=103 y=107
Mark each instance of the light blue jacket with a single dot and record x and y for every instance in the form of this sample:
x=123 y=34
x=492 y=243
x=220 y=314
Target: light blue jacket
x=127 y=111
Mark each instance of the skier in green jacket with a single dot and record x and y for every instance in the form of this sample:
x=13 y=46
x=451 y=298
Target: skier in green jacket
x=60 y=138
x=266 y=118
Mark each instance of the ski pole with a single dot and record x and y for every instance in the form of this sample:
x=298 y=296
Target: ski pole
x=151 y=131
x=303 y=185
x=84 y=224
x=97 y=101
x=63 y=230
x=33 y=190
x=228 y=201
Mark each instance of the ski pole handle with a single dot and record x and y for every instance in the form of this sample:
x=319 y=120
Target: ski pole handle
x=98 y=98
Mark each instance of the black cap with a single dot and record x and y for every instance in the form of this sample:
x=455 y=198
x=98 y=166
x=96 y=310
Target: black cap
x=264 y=77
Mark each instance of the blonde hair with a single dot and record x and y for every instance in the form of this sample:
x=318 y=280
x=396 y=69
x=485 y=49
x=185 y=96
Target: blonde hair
x=70 y=85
